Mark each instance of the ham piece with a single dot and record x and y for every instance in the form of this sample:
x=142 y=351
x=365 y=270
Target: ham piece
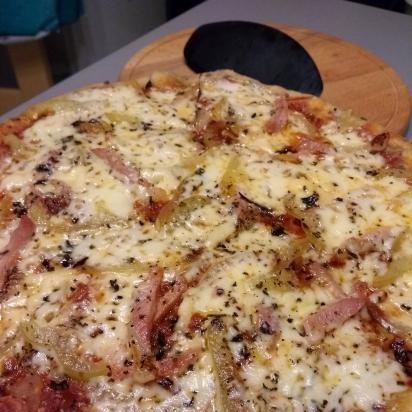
x=18 y=240
x=331 y=316
x=279 y=116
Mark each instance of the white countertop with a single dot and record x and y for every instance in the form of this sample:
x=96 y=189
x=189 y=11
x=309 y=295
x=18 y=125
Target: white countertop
x=387 y=34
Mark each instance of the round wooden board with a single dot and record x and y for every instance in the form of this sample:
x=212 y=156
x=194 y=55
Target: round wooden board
x=353 y=78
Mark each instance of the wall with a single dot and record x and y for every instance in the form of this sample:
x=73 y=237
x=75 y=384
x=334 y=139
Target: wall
x=108 y=25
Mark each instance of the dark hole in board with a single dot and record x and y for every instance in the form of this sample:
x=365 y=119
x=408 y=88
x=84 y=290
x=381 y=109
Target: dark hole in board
x=254 y=50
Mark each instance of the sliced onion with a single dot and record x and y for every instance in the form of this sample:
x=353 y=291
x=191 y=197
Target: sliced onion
x=229 y=391
x=399 y=402
x=66 y=347
x=233 y=176
x=52 y=106
x=399 y=265
x=175 y=213
x=119 y=117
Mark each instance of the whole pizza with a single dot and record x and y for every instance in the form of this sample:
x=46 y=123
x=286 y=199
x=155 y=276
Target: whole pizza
x=207 y=245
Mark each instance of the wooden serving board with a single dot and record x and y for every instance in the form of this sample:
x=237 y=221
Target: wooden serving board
x=353 y=78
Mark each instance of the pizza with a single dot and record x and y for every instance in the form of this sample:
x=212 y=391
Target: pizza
x=212 y=244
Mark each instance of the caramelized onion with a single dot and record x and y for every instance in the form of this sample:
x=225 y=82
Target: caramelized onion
x=66 y=348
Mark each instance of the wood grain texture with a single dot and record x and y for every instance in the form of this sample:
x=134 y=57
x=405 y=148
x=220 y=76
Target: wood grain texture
x=353 y=77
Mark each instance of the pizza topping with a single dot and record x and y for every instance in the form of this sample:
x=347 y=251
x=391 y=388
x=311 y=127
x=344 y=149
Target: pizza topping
x=279 y=116
x=54 y=195
x=229 y=389
x=67 y=348
x=309 y=271
x=309 y=109
x=305 y=145
x=31 y=392
x=373 y=241
x=114 y=160
x=81 y=294
x=151 y=199
x=176 y=365
x=399 y=401
x=18 y=240
x=15 y=126
x=7 y=208
x=214 y=133
x=93 y=126
x=11 y=404
x=250 y=212
x=393 y=157
x=402 y=354
x=379 y=142
x=268 y=322
x=144 y=312
x=171 y=296
x=331 y=316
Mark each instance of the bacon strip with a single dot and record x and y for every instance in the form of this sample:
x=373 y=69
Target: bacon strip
x=170 y=299
x=380 y=143
x=372 y=241
x=176 y=365
x=54 y=200
x=10 y=404
x=25 y=390
x=113 y=159
x=18 y=240
x=211 y=132
x=331 y=316
x=301 y=104
x=305 y=145
x=5 y=156
x=268 y=322
x=152 y=198
x=144 y=312
x=279 y=116
x=306 y=272
x=250 y=212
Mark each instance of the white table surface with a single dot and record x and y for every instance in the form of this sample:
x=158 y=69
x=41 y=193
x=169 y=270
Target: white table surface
x=387 y=34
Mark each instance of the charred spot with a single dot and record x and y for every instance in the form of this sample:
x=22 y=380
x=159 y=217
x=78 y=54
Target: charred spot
x=196 y=322
x=265 y=328
x=80 y=262
x=380 y=142
x=217 y=323
x=55 y=203
x=47 y=265
x=114 y=285
x=311 y=201
x=160 y=345
x=67 y=260
x=67 y=139
x=237 y=338
x=19 y=209
x=278 y=231
x=44 y=168
x=402 y=354
x=147 y=87
x=244 y=354
x=146 y=126
x=166 y=383
x=59 y=385
x=96 y=332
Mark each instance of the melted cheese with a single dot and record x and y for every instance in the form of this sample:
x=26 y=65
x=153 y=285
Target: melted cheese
x=236 y=275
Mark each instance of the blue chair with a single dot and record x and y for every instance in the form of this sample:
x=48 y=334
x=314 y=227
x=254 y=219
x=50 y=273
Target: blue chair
x=23 y=25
